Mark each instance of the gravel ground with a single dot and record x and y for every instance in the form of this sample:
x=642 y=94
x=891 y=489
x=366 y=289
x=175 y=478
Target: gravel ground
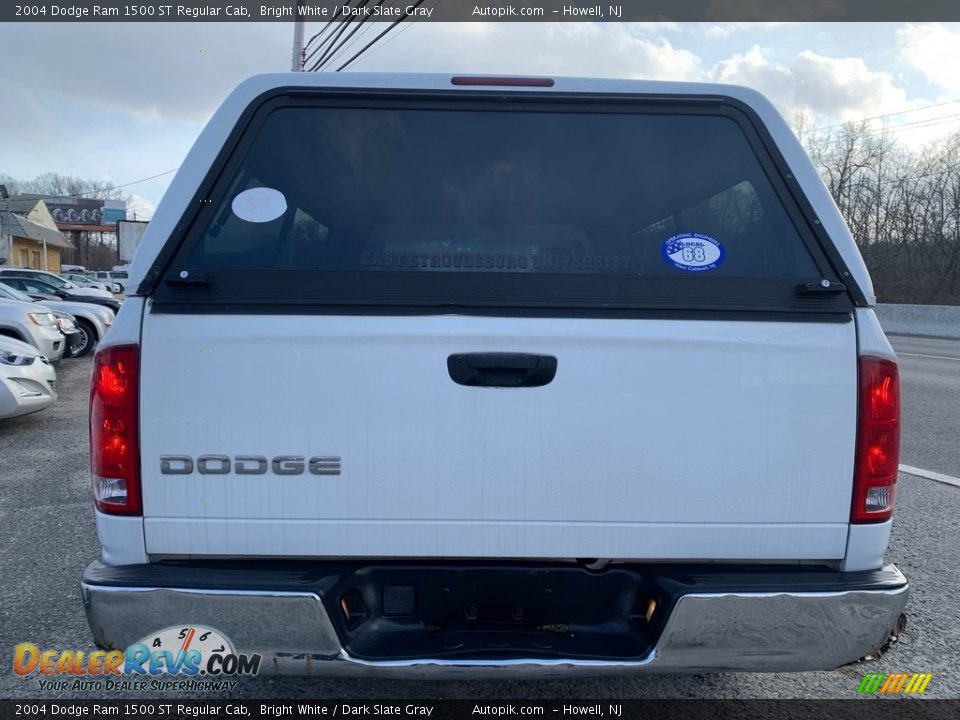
x=47 y=530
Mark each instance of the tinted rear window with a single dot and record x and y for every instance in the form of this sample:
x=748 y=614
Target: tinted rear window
x=452 y=206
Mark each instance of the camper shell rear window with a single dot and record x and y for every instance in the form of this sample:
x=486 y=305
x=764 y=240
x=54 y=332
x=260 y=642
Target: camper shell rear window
x=467 y=203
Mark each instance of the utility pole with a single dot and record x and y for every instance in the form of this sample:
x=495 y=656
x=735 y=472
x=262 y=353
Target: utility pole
x=6 y=247
x=298 y=29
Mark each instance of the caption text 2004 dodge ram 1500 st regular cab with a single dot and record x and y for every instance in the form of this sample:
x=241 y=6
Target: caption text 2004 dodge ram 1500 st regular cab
x=464 y=374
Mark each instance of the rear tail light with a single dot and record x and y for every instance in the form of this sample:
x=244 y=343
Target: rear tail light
x=114 y=450
x=878 y=441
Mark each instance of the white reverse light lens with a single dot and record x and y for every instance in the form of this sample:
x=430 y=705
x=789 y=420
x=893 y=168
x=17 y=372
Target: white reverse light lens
x=879 y=498
x=112 y=491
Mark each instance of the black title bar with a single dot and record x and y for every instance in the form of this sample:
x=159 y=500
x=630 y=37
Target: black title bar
x=483 y=709
x=491 y=10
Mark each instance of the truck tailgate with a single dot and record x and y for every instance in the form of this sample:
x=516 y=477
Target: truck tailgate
x=693 y=439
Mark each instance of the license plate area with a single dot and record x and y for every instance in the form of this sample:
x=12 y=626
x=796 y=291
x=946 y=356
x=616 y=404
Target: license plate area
x=494 y=613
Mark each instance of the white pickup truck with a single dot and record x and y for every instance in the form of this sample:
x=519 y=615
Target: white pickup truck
x=433 y=374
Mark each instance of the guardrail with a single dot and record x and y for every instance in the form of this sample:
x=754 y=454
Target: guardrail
x=931 y=320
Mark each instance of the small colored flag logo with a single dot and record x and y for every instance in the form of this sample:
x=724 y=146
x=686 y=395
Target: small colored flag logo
x=894 y=683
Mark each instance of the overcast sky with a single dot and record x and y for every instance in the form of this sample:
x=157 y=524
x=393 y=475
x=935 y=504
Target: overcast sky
x=121 y=102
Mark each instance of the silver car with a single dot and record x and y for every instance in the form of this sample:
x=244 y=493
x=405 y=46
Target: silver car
x=92 y=320
x=28 y=382
x=33 y=324
x=53 y=279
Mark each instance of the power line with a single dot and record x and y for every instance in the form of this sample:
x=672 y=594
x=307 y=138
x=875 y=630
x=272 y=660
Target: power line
x=334 y=48
x=920 y=124
x=373 y=42
x=335 y=34
x=308 y=56
x=885 y=115
x=360 y=31
x=324 y=29
x=916 y=125
x=329 y=29
x=335 y=43
x=890 y=129
x=117 y=187
x=410 y=24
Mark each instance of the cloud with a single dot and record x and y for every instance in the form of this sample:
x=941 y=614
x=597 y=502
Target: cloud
x=662 y=26
x=159 y=72
x=844 y=88
x=721 y=31
x=754 y=70
x=151 y=71
x=140 y=208
x=124 y=101
x=934 y=51
x=591 y=49
x=838 y=89
x=23 y=112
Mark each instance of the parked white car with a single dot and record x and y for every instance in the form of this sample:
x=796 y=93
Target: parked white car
x=115 y=279
x=92 y=320
x=32 y=324
x=28 y=382
x=90 y=281
x=57 y=281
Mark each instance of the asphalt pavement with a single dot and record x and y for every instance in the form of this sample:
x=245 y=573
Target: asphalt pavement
x=930 y=380
x=47 y=532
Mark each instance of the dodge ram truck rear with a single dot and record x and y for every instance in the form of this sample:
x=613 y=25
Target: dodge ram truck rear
x=433 y=374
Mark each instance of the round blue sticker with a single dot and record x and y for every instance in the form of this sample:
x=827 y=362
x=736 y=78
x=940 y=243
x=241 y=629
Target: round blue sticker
x=693 y=252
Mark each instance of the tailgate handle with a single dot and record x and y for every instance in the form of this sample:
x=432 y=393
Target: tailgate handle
x=502 y=369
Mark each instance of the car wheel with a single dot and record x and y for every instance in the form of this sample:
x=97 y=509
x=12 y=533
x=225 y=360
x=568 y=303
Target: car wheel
x=88 y=338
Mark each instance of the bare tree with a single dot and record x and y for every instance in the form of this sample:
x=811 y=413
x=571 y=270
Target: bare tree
x=11 y=183
x=902 y=207
x=57 y=185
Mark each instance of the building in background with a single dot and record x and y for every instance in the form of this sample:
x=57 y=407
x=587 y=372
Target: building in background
x=88 y=224
x=29 y=235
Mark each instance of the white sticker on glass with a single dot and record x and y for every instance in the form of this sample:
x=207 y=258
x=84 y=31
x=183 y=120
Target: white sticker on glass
x=259 y=205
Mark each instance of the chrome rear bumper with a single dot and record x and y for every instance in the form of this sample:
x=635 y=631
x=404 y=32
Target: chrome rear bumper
x=745 y=630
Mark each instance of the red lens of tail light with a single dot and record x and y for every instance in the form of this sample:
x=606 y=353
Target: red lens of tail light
x=878 y=441
x=114 y=450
